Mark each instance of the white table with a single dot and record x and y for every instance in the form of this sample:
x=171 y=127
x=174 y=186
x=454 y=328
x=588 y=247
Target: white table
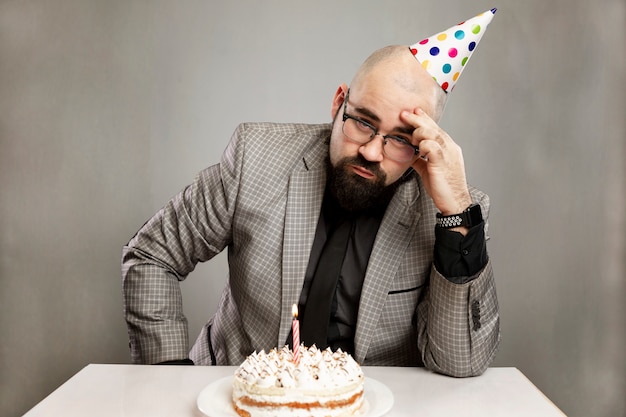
x=140 y=390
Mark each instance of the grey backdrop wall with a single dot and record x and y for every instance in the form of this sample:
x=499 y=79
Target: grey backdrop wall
x=108 y=108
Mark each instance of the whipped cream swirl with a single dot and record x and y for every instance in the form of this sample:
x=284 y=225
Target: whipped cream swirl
x=316 y=368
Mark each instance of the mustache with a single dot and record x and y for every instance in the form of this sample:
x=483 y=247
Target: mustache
x=359 y=160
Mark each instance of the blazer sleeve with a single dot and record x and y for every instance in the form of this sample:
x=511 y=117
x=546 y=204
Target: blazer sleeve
x=459 y=324
x=193 y=227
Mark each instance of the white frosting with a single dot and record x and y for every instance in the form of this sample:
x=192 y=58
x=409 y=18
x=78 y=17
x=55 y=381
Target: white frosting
x=316 y=369
x=323 y=379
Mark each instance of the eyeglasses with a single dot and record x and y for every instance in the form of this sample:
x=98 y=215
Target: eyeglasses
x=396 y=148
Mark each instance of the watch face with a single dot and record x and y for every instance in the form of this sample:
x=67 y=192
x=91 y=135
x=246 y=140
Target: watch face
x=475 y=215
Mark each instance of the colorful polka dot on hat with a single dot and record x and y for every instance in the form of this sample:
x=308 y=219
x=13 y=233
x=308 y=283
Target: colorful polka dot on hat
x=445 y=54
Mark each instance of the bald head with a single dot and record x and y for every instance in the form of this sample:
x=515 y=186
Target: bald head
x=395 y=63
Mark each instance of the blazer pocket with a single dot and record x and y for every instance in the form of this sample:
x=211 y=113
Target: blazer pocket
x=407 y=282
x=397 y=326
x=210 y=344
x=403 y=290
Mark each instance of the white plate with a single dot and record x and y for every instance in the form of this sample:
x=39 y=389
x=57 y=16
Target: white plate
x=215 y=400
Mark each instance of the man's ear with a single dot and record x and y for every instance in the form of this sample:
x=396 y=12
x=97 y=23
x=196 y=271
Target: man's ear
x=338 y=98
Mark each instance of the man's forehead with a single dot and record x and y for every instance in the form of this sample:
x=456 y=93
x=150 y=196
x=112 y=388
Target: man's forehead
x=376 y=97
x=376 y=114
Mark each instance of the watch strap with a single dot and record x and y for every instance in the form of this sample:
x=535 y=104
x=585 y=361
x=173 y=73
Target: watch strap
x=468 y=218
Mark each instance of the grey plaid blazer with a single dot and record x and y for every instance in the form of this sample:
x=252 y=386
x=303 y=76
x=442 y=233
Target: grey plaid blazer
x=263 y=201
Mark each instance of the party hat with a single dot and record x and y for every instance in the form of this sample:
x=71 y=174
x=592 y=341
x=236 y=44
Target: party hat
x=445 y=54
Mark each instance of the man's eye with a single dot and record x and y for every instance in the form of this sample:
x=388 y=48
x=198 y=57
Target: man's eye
x=399 y=140
x=363 y=125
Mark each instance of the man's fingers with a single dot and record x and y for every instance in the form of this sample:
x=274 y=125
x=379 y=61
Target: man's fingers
x=425 y=128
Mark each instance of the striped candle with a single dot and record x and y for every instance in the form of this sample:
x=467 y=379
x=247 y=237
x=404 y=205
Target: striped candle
x=295 y=332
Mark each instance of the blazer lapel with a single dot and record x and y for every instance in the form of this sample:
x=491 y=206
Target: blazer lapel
x=304 y=202
x=394 y=235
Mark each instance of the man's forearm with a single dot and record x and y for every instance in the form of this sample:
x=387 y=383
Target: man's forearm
x=458 y=326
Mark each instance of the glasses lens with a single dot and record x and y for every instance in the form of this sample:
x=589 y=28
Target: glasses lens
x=395 y=148
x=398 y=150
x=358 y=131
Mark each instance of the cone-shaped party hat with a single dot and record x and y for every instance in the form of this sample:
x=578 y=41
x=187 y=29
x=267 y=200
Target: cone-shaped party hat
x=445 y=54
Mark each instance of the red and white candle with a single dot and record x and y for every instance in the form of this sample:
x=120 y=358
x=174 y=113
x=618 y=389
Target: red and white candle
x=295 y=332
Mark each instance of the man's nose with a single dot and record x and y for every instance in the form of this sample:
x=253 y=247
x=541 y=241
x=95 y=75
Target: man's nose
x=373 y=150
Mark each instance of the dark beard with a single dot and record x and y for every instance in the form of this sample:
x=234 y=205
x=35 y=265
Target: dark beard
x=355 y=193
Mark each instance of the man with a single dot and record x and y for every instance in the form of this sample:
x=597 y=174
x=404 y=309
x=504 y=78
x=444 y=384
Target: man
x=357 y=222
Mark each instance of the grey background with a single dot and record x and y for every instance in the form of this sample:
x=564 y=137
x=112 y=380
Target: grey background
x=108 y=108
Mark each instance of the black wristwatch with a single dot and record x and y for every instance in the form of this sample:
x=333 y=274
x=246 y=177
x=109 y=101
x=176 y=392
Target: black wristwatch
x=471 y=216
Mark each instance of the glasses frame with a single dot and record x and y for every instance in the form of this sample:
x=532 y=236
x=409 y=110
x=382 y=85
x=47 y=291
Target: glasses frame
x=375 y=132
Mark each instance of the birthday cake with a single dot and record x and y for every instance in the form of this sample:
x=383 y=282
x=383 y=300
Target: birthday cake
x=321 y=383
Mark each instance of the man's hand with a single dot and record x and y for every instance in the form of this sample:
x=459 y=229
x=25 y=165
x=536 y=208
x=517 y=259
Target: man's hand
x=440 y=163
